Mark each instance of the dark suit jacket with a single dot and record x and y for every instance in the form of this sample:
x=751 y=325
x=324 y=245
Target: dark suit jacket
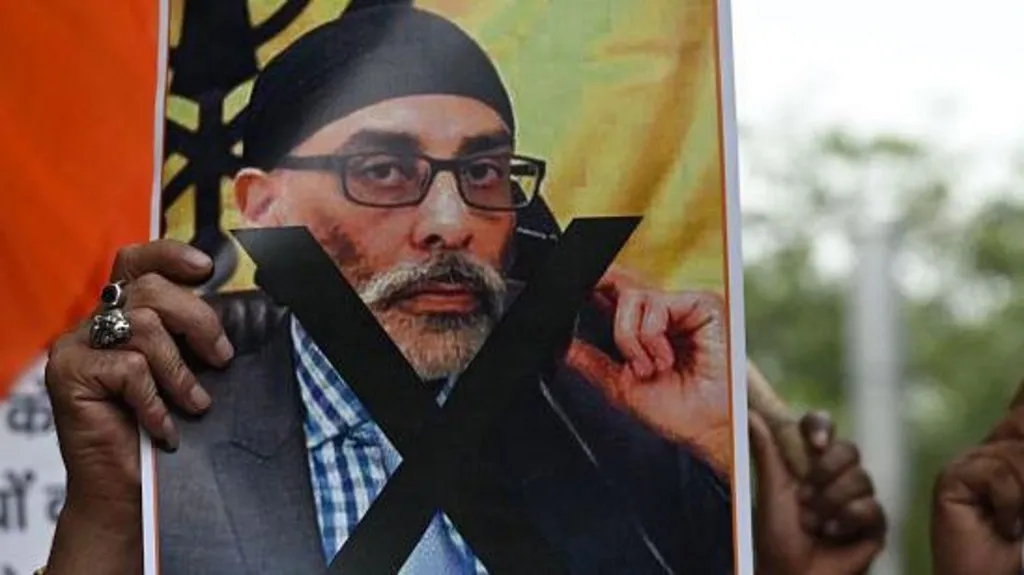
x=236 y=497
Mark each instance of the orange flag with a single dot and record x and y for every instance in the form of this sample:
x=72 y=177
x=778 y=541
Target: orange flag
x=76 y=159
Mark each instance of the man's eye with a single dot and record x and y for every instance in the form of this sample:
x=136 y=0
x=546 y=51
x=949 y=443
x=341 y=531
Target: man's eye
x=485 y=174
x=381 y=171
x=385 y=172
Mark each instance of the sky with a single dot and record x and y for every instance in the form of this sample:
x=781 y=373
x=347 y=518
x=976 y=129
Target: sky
x=948 y=71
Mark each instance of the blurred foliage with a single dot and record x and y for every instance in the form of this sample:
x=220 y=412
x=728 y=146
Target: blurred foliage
x=961 y=273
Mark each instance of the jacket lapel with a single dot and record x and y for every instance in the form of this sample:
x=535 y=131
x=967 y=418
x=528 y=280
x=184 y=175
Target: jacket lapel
x=556 y=471
x=262 y=470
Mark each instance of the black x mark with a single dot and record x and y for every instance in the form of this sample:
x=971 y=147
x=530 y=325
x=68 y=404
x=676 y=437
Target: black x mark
x=436 y=444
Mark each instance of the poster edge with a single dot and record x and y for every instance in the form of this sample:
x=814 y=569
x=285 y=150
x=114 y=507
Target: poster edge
x=728 y=140
x=147 y=454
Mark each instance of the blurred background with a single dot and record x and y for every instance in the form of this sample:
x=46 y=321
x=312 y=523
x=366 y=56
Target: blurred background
x=882 y=159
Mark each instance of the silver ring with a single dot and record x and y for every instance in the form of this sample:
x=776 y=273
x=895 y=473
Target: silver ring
x=110 y=328
x=114 y=295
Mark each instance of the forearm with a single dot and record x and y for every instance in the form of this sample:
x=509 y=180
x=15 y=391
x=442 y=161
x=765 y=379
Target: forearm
x=97 y=539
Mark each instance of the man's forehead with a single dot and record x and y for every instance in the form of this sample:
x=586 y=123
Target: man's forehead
x=408 y=142
x=429 y=123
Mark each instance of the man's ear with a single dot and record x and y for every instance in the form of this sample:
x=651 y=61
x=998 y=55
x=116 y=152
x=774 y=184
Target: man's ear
x=255 y=193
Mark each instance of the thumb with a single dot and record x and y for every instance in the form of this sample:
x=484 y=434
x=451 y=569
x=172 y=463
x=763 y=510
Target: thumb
x=611 y=285
x=616 y=279
x=596 y=367
x=769 y=467
x=818 y=430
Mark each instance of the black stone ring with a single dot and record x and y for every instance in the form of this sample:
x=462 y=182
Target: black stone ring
x=114 y=295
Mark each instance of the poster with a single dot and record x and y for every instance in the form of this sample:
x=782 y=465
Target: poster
x=475 y=260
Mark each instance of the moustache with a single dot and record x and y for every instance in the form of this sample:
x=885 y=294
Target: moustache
x=405 y=280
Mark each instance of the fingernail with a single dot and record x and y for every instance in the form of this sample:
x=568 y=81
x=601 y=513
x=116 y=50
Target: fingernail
x=200 y=399
x=635 y=370
x=646 y=370
x=819 y=438
x=198 y=258
x=832 y=528
x=223 y=348
x=170 y=433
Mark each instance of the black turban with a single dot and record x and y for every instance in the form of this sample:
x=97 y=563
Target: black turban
x=367 y=55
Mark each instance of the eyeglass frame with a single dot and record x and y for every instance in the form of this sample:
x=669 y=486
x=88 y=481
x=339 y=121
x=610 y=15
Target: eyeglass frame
x=337 y=164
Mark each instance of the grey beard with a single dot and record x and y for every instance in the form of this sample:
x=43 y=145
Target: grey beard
x=436 y=345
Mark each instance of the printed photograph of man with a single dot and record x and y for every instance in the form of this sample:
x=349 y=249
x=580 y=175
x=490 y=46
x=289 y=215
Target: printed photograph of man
x=390 y=135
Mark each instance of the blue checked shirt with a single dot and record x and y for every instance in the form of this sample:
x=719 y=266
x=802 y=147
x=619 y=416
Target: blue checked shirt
x=346 y=460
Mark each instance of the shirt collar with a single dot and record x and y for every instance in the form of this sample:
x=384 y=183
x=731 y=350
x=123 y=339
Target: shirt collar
x=331 y=406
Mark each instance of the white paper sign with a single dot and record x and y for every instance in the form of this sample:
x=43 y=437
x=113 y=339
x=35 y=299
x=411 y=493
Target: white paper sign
x=31 y=475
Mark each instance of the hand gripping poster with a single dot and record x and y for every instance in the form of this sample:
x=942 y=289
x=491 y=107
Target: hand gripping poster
x=478 y=266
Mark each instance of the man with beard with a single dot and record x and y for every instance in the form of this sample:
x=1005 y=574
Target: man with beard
x=389 y=135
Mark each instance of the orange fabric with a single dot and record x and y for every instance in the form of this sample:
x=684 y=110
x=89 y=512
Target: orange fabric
x=77 y=87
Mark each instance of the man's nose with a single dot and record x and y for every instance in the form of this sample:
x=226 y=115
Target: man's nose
x=444 y=220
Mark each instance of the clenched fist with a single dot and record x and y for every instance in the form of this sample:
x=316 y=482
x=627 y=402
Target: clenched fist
x=675 y=378
x=978 y=506
x=827 y=523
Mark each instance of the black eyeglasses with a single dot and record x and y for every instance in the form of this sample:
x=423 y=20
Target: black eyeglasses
x=492 y=181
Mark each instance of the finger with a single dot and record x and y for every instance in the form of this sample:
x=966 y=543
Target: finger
x=1006 y=498
x=125 y=375
x=176 y=260
x=183 y=313
x=993 y=486
x=763 y=399
x=595 y=367
x=628 y=315
x=606 y=292
x=818 y=430
x=617 y=279
x=693 y=311
x=769 y=467
x=151 y=339
x=653 y=328
x=1008 y=486
x=67 y=355
x=858 y=519
x=825 y=501
x=837 y=458
x=1018 y=397
x=604 y=302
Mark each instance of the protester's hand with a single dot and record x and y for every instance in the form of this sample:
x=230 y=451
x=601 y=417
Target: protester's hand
x=100 y=396
x=978 y=506
x=675 y=374
x=827 y=524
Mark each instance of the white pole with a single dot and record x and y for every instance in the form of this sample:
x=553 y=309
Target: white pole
x=875 y=368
